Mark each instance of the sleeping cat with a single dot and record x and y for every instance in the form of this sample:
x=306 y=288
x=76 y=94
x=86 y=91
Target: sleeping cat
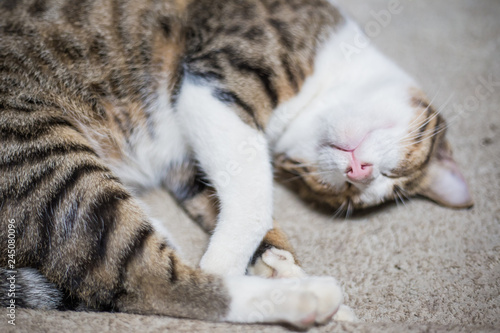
x=101 y=99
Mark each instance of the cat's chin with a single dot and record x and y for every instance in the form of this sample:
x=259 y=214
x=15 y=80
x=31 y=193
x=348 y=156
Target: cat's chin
x=346 y=198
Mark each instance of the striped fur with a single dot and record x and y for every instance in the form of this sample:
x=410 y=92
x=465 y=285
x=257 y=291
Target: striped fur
x=86 y=88
x=92 y=109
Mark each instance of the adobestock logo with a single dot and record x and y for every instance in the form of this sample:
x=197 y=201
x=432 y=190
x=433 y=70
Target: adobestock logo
x=485 y=88
x=380 y=19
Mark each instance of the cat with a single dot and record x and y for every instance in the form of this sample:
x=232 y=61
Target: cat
x=102 y=99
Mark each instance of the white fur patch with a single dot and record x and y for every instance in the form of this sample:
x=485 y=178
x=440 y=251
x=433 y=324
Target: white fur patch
x=300 y=302
x=151 y=157
x=235 y=158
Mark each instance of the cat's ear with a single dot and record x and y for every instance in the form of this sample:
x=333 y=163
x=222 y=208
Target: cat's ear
x=445 y=184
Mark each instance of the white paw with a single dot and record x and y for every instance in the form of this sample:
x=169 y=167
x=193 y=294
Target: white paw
x=276 y=263
x=300 y=302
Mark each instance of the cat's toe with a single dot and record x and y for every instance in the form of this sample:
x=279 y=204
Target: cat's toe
x=345 y=313
x=303 y=309
x=329 y=295
x=260 y=268
x=276 y=263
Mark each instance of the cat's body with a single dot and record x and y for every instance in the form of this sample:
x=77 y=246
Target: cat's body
x=100 y=98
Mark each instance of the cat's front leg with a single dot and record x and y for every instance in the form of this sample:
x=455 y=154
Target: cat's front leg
x=274 y=258
x=236 y=160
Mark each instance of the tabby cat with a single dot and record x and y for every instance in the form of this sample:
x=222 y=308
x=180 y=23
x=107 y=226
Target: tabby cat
x=102 y=99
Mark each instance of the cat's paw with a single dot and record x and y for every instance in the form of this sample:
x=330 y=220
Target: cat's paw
x=276 y=263
x=300 y=302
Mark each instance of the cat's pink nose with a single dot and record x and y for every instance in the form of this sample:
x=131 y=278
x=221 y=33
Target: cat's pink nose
x=359 y=172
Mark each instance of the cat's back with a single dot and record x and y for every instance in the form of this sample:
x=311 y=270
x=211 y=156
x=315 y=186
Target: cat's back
x=112 y=65
x=119 y=48
x=58 y=45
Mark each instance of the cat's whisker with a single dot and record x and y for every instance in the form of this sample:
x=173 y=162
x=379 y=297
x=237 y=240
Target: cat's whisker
x=339 y=210
x=291 y=179
x=349 y=210
x=396 y=199
x=410 y=139
x=413 y=134
x=431 y=102
x=320 y=173
x=315 y=173
x=404 y=193
x=306 y=165
x=436 y=114
x=436 y=132
x=416 y=120
x=453 y=118
x=397 y=192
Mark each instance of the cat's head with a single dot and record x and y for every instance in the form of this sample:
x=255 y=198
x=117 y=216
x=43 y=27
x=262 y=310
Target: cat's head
x=371 y=141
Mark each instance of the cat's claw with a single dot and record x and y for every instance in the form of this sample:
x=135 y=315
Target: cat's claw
x=276 y=263
x=345 y=313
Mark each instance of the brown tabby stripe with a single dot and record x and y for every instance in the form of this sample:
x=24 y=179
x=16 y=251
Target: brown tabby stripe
x=37 y=154
x=38 y=8
x=76 y=12
x=421 y=151
x=133 y=249
x=231 y=97
x=9 y=5
x=100 y=223
x=245 y=47
x=291 y=76
x=285 y=37
x=418 y=100
x=71 y=177
x=66 y=192
x=262 y=73
x=434 y=136
x=274 y=238
x=414 y=182
x=428 y=114
x=29 y=131
x=174 y=276
x=99 y=218
x=135 y=245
